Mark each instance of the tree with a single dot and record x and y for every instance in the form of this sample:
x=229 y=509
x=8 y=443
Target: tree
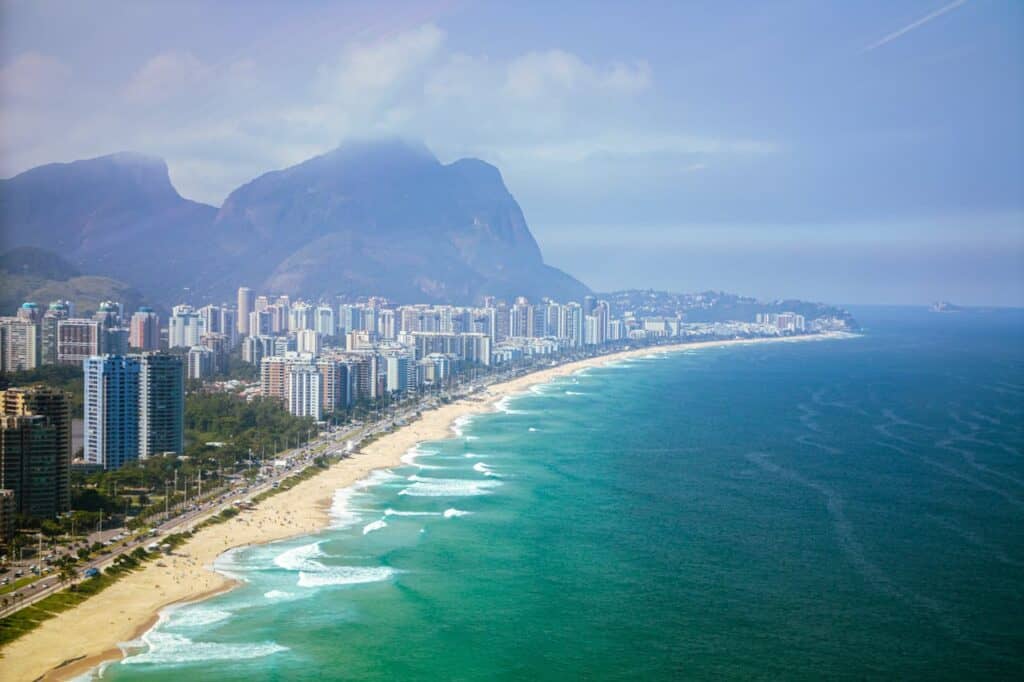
x=67 y=570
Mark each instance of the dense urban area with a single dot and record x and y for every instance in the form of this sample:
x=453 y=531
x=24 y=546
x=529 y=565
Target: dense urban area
x=121 y=432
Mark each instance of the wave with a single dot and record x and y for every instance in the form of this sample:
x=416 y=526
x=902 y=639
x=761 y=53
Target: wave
x=345 y=575
x=374 y=525
x=503 y=405
x=460 y=424
x=448 y=487
x=414 y=453
x=278 y=594
x=484 y=469
x=227 y=564
x=196 y=617
x=393 y=512
x=453 y=512
x=165 y=648
x=300 y=558
x=576 y=393
x=342 y=513
x=532 y=429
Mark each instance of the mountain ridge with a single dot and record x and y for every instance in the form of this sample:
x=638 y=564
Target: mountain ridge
x=369 y=217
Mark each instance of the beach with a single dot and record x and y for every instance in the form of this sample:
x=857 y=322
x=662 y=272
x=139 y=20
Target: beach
x=80 y=639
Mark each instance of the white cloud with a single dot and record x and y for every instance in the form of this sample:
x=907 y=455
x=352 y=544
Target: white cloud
x=555 y=73
x=33 y=76
x=221 y=124
x=371 y=68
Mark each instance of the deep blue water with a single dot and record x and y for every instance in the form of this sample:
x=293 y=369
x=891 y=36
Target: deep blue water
x=843 y=509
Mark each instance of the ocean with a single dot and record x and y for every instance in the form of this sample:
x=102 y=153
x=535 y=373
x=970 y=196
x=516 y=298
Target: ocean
x=840 y=509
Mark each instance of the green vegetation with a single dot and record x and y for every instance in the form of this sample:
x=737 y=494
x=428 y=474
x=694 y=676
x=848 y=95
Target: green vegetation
x=29 y=618
x=65 y=377
x=221 y=430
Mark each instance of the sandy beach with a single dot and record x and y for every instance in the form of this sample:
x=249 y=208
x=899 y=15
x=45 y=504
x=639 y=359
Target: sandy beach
x=90 y=633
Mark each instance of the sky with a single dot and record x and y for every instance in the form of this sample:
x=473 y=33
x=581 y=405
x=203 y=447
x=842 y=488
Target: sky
x=868 y=152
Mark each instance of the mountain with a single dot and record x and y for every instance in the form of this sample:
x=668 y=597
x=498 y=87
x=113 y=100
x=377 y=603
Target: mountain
x=29 y=273
x=383 y=217
x=116 y=215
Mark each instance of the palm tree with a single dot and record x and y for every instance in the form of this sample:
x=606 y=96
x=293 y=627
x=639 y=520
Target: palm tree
x=67 y=570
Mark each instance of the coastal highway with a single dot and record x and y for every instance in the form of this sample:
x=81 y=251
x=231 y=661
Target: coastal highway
x=296 y=459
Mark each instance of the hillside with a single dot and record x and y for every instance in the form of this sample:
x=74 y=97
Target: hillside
x=381 y=217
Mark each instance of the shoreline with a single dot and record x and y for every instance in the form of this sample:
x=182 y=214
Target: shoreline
x=87 y=636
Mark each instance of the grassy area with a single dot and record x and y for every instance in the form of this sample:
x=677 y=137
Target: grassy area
x=29 y=618
x=19 y=583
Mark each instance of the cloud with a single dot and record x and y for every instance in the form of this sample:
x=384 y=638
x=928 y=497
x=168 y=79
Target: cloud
x=911 y=26
x=221 y=124
x=175 y=73
x=556 y=72
x=33 y=76
x=369 y=68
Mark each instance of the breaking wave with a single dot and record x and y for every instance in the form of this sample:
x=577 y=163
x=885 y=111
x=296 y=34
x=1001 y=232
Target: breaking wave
x=448 y=487
x=345 y=575
x=165 y=648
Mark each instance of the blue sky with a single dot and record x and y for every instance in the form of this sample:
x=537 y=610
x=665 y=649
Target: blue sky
x=852 y=152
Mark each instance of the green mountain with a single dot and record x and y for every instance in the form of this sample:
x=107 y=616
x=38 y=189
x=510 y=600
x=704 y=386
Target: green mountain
x=34 y=274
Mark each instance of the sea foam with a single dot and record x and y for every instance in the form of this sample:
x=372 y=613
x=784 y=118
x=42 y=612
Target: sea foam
x=504 y=405
x=448 y=487
x=484 y=469
x=374 y=525
x=301 y=558
x=165 y=648
x=345 y=575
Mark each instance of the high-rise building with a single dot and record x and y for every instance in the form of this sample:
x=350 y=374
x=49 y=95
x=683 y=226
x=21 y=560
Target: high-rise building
x=303 y=387
x=272 y=377
x=144 y=329
x=397 y=372
x=116 y=340
x=308 y=341
x=325 y=320
x=7 y=516
x=301 y=315
x=57 y=311
x=111 y=410
x=255 y=348
x=200 y=362
x=261 y=323
x=78 y=339
x=109 y=314
x=245 y=306
x=185 y=327
x=19 y=344
x=55 y=406
x=29 y=311
x=337 y=387
x=29 y=456
x=520 y=318
x=161 y=404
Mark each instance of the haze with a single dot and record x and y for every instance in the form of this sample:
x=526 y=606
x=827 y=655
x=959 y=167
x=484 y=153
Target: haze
x=851 y=152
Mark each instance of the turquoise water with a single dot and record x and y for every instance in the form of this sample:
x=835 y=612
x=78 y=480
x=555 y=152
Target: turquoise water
x=842 y=509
